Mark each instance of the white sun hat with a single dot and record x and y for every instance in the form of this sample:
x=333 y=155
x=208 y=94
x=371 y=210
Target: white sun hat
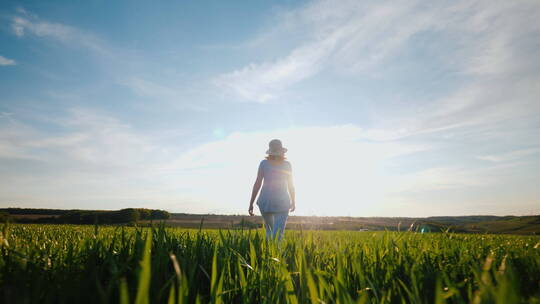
x=275 y=148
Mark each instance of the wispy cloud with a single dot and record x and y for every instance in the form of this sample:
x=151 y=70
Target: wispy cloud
x=351 y=35
x=92 y=157
x=7 y=61
x=261 y=82
x=502 y=189
x=63 y=33
x=510 y=156
x=87 y=137
x=354 y=37
x=27 y=24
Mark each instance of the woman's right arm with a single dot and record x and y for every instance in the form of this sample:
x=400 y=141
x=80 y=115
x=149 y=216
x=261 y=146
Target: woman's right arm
x=255 y=191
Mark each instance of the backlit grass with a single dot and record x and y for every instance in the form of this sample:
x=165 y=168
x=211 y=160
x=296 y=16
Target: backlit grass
x=85 y=264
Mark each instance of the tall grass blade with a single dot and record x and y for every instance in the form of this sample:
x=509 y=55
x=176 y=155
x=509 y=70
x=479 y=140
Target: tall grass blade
x=143 y=289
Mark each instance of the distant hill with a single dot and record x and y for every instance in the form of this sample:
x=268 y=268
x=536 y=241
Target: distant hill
x=462 y=220
x=462 y=224
x=507 y=224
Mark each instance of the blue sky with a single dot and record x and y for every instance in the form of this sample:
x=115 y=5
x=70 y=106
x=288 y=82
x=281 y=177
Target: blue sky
x=388 y=108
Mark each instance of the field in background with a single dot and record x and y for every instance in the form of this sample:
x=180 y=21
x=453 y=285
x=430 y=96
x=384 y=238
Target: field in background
x=462 y=224
x=92 y=264
x=526 y=225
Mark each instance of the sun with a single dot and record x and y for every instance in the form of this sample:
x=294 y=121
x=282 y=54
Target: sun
x=336 y=175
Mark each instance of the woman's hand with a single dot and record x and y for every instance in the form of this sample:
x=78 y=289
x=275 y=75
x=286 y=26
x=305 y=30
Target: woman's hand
x=250 y=210
x=293 y=207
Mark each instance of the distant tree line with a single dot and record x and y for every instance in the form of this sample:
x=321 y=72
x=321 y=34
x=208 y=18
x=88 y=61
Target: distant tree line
x=34 y=211
x=128 y=215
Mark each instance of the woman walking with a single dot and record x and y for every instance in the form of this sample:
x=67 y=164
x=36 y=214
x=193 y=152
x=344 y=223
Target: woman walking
x=277 y=194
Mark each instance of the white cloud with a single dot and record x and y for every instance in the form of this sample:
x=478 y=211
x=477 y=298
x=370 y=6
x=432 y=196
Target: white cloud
x=350 y=35
x=260 y=82
x=439 y=179
x=21 y=10
x=144 y=87
x=88 y=138
x=72 y=36
x=487 y=39
x=503 y=189
x=481 y=108
x=509 y=156
x=7 y=61
x=92 y=158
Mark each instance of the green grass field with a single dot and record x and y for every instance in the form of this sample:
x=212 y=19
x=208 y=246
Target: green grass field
x=86 y=264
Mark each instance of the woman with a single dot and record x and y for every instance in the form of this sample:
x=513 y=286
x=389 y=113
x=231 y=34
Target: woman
x=277 y=194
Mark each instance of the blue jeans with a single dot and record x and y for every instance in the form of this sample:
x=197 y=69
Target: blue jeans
x=274 y=223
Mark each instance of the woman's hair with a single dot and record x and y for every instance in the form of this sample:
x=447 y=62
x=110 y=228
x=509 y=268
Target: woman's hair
x=275 y=157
